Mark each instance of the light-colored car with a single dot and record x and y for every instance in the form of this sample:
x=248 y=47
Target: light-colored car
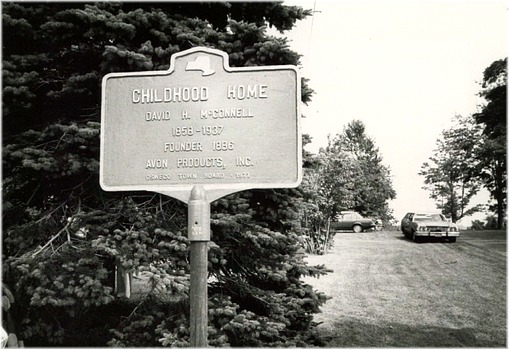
x=351 y=220
x=419 y=225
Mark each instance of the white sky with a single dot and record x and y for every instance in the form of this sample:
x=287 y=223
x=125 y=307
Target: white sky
x=404 y=68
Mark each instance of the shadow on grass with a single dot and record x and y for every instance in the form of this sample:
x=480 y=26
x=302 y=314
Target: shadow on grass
x=357 y=334
x=424 y=239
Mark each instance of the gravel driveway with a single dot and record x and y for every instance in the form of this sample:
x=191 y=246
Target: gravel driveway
x=388 y=291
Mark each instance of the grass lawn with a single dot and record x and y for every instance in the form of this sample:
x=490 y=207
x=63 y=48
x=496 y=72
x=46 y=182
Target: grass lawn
x=388 y=291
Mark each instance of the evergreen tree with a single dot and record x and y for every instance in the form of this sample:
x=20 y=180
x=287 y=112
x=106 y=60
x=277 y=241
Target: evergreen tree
x=371 y=186
x=63 y=236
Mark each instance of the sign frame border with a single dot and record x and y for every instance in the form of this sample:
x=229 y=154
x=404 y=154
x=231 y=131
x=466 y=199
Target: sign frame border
x=216 y=190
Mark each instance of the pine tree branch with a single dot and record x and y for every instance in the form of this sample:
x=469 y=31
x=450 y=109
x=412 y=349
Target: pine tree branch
x=50 y=242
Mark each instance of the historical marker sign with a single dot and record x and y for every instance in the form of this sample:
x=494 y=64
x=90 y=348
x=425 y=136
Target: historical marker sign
x=201 y=123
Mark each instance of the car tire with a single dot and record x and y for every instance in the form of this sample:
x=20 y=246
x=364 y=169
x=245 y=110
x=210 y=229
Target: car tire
x=357 y=228
x=415 y=238
x=452 y=239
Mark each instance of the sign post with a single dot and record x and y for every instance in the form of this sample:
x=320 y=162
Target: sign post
x=198 y=228
x=197 y=132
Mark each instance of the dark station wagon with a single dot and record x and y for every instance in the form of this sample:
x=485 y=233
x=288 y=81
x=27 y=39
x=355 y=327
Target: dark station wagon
x=351 y=221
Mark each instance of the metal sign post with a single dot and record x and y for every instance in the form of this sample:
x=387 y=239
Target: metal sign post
x=198 y=228
x=197 y=132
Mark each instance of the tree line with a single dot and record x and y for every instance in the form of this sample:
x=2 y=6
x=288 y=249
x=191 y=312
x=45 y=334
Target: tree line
x=472 y=154
x=347 y=174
